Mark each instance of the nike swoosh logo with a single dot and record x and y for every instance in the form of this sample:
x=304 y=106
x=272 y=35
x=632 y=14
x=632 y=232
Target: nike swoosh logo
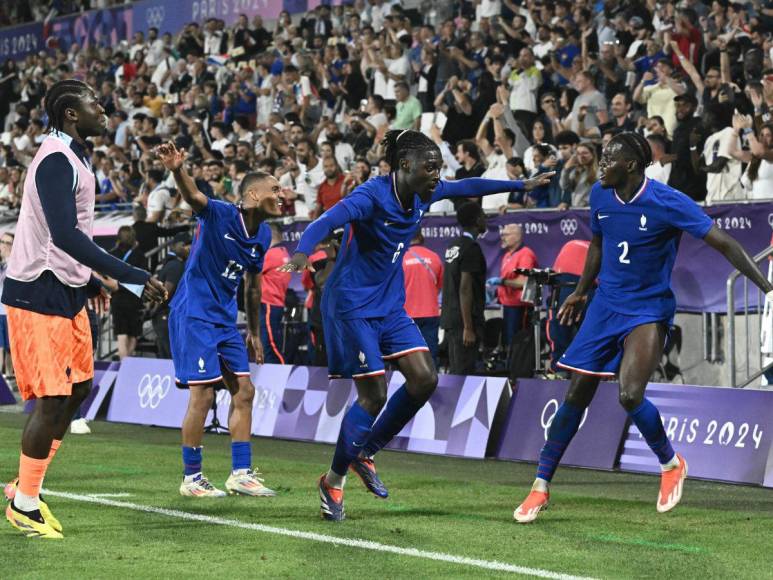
x=388 y=223
x=228 y=237
x=601 y=217
x=357 y=444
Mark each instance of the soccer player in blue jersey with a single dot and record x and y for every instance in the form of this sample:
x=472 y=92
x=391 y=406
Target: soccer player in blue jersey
x=207 y=349
x=364 y=318
x=637 y=224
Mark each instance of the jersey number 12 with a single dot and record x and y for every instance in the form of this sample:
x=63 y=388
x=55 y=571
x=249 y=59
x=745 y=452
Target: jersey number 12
x=624 y=254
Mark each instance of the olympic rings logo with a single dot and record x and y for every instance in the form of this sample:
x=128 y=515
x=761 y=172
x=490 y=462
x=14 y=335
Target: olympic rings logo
x=549 y=412
x=154 y=16
x=152 y=390
x=568 y=226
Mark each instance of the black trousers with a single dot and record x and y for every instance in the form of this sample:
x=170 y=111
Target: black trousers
x=462 y=360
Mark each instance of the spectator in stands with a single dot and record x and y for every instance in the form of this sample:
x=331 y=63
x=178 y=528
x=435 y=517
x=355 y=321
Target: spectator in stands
x=423 y=271
x=509 y=284
x=579 y=174
x=590 y=107
x=6 y=363
x=408 y=108
x=272 y=299
x=660 y=169
x=660 y=95
x=169 y=275
x=686 y=148
x=524 y=82
x=723 y=180
x=331 y=190
x=161 y=199
x=125 y=306
x=758 y=178
x=464 y=295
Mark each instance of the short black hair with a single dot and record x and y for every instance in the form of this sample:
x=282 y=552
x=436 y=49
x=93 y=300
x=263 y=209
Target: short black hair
x=468 y=213
x=637 y=146
x=157 y=175
x=251 y=178
x=397 y=145
x=567 y=138
x=61 y=96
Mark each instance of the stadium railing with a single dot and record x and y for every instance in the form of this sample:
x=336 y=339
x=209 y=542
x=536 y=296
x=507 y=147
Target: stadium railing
x=753 y=343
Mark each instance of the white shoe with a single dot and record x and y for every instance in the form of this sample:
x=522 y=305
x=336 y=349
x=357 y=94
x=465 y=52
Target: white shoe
x=248 y=482
x=199 y=486
x=80 y=427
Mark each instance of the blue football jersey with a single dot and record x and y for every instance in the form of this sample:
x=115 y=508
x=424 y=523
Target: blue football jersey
x=367 y=281
x=639 y=244
x=222 y=252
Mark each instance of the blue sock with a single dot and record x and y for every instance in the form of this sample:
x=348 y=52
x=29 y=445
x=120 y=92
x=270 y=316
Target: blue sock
x=191 y=460
x=565 y=424
x=400 y=409
x=650 y=425
x=241 y=455
x=355 y=430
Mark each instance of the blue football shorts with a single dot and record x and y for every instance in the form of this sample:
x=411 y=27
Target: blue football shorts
x=358 y=347
x=201 y=349
x=597 y=349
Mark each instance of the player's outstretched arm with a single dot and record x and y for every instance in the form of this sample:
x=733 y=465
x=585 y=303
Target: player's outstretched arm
x=334 y=218
x=173 y=160
x=571 y=310
x=738 y=257
x=253 y=284
x=479 y=186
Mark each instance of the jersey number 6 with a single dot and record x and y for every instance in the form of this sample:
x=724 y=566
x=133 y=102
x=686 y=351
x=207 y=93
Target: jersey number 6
x=624 y=254
x=396 y=255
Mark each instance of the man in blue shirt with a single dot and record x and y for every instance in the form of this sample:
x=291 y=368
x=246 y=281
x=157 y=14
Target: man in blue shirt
x=207 y=349
x=363 y=312
x=637 y=225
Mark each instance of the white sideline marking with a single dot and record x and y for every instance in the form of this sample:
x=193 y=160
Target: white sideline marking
x=106 y=494
x=349 y=542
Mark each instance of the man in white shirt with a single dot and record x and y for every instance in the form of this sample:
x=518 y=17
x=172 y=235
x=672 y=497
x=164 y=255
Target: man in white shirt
x=658 y=171
x=722 y=169
x=160 y=199
x=155 y=48
x=524 y=81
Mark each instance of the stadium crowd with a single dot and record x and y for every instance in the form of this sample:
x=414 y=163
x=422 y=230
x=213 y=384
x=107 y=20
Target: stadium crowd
x=507 y=89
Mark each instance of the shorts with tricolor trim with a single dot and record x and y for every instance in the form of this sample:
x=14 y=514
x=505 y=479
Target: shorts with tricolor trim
x=358 y=347
x=50 y=353
x=597 y=349
x=202 y=349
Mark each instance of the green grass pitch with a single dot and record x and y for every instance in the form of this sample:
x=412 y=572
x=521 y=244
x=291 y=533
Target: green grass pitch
x=600 y=524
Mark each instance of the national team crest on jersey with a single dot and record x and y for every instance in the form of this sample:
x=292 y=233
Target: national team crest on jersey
x=643 y=223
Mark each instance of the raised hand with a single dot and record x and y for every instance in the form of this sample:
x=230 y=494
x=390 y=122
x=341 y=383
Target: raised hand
x=538 y=180
x=171 y=157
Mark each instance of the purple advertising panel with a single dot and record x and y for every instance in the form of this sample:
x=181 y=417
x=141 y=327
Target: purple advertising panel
x=17 y=42
x=546 y=232
x=6 y=396
x=532 y=409
x=145 y=394
x=723 y=433
x=300 y=403
x=458 y=418
x=93 y=28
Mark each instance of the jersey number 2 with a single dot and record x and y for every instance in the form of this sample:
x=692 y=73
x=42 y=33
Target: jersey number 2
x=396 y=255
x=624 y=254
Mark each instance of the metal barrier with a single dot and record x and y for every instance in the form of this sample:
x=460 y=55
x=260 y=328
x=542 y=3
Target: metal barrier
x=754 y=343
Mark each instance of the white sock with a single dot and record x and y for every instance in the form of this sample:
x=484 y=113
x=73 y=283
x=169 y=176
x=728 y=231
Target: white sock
x=240 y=471
x=26 y=503
x=192 y=477
x=672 y=464
x=332 y=479
x=540 y=485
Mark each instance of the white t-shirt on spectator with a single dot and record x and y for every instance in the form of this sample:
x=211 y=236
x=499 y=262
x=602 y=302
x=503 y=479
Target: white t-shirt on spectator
x=762 y=187
x=378 y=120
x=303 y=186
x=726 y=184
x=220 y=144
x=164 y=65
x=658 y=172
x=488 y=9
x=316 y=175
x=344 y=155
x=160 y=200
x=380 y=81
x=155 y=52
x=134 y=49
x=399 y=66
x=542 y=49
